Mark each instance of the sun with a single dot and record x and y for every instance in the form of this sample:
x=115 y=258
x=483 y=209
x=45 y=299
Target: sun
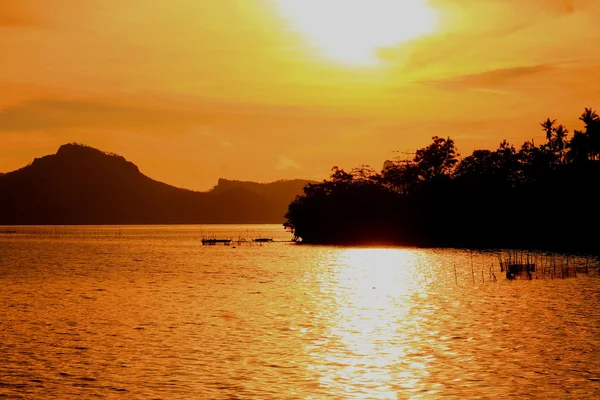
x=351 y=31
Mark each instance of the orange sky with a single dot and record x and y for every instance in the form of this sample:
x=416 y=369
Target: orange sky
x=194 y=90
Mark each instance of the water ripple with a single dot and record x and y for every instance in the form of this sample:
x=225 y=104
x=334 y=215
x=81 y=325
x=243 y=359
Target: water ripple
x=153 y=314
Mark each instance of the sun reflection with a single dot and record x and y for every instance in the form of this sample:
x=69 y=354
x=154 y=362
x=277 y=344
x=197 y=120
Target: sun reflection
x=372 y=327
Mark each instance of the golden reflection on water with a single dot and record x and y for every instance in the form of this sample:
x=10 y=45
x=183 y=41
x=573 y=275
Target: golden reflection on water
x=153 y=314
x=371 y=321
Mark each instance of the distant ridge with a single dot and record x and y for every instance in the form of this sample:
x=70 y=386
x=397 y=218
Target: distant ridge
x=83 y=185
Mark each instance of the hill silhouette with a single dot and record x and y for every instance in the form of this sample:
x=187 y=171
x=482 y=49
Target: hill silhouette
x=83 y=185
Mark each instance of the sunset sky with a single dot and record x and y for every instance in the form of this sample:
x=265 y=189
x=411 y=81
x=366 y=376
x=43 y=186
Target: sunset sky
x=194 y=90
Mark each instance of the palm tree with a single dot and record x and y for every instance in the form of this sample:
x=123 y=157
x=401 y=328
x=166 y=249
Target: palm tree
x=548 y=127
x=592 y=129
x=589 y=117
x=560 y=134
x=579 y=148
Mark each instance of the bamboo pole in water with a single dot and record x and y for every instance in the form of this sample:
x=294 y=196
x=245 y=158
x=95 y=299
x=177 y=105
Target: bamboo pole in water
x=455 y=275
x=472 y=269
x=543 y=265
x=482 y=269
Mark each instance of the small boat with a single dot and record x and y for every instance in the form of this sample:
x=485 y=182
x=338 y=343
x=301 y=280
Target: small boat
x=262 y=240
x=213 y=242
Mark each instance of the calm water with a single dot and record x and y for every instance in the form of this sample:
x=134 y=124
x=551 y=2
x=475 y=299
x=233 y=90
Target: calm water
x=150 y=313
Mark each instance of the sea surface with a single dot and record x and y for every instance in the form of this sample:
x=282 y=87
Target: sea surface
x=148 y=312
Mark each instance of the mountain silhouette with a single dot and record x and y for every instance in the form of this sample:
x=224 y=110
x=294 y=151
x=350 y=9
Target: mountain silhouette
x=83 y=185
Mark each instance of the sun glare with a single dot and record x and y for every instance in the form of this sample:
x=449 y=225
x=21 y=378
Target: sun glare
x=351 y=31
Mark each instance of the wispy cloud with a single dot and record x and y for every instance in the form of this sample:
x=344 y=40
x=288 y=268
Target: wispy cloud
x=11 y=17
x=50 y=114
x=494 y=81
x=25 y=13
x=478 y=36
x=286 y=163
x=7 y=20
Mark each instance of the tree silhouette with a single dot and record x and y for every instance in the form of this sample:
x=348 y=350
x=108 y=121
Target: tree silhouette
x=556 y=136
x=439 y=158
x=592 y=129
x=589 y=117
x=548 y=127
x=502 y=198
x=480 y=163
x=578 y=148
x=402 y=178
x=559 y=141
x=364 y=174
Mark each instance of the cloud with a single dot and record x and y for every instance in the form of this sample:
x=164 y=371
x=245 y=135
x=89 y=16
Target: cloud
x=48 y=114
x=562 y=7
x=491 y=81
x=170 y=114
x=8 y=20
x=505 y=74
x=17 y=13
x=52 y=114
x=476 y=36
x=286 y=163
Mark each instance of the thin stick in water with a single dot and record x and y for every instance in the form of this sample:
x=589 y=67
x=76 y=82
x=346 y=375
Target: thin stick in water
x=455 y=275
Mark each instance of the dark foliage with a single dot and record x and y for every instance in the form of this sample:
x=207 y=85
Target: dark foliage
x=540 y=197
